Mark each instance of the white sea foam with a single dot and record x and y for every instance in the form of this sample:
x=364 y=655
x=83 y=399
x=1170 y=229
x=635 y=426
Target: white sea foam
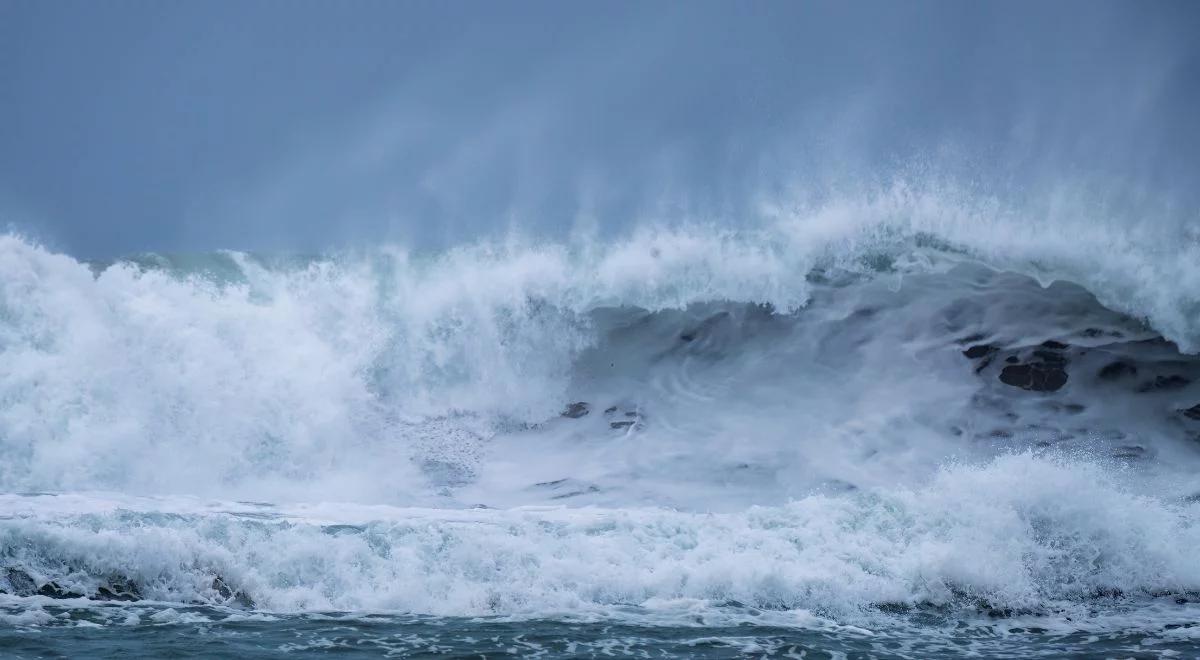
x=1020 y=532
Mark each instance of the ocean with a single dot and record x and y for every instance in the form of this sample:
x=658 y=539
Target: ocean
x=894 y=426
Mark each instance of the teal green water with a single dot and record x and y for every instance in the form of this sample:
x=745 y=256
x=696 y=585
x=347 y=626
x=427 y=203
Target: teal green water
x=159 y=631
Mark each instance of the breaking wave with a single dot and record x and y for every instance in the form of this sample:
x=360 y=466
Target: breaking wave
x=895 y=404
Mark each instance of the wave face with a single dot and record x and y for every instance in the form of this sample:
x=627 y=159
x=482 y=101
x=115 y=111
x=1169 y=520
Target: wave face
x=895 y=408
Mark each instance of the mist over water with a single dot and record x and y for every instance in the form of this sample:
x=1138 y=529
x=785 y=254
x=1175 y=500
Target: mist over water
x=248 y=127
x=601 y=329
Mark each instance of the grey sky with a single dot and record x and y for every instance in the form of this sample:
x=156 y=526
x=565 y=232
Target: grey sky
x=128 y=125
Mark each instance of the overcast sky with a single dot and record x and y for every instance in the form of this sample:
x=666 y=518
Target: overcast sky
x=130 y=126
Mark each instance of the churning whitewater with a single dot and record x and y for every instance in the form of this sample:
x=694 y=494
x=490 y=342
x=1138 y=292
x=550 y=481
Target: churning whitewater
x=854 y=420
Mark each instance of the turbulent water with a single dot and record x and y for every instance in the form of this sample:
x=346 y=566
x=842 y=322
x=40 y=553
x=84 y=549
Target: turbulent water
x=895 y=428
